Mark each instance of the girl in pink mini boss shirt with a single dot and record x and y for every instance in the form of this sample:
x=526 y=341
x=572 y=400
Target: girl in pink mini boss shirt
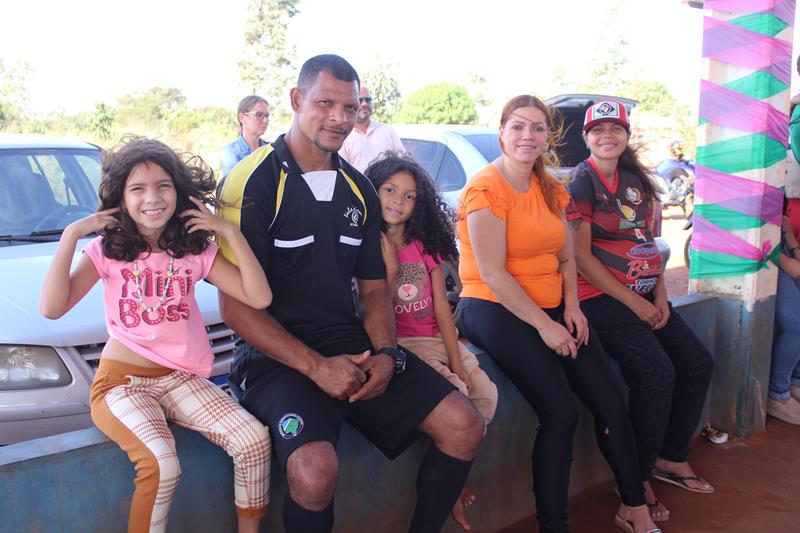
x=418 y=237
x=154 y=248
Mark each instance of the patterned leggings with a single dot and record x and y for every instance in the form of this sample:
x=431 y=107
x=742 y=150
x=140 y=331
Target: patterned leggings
x=132 y=405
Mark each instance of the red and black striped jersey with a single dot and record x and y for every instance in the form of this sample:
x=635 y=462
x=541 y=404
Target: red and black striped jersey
x=622 y=218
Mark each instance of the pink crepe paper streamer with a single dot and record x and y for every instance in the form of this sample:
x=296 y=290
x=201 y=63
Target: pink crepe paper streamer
x=729 y=43
x=741 y=112
x=783 y=9
x=758 y=200
x=707 y=237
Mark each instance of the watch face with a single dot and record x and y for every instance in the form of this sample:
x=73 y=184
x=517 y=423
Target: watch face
x=399 y=356
x=400 y=361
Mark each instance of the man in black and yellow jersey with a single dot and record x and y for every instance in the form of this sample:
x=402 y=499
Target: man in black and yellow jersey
x=309 y=361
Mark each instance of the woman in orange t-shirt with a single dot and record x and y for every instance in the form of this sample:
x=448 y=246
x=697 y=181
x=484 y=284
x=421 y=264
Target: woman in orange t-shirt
x=520 y=304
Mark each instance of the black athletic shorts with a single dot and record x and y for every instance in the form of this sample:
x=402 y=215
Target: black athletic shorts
x=298 y=412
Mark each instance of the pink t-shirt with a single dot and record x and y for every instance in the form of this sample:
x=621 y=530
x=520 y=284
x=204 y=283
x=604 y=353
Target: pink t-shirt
x=413 y=298
x=173 y=335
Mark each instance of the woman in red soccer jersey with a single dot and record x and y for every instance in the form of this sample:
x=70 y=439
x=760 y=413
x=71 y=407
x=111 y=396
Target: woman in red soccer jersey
x=622 y=293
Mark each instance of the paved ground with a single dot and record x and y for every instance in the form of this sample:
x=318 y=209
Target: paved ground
x=757 y=482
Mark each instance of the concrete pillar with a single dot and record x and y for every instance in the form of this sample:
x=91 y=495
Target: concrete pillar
x=742 y=140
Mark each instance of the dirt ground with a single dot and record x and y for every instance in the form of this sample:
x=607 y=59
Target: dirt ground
x=756 y=481
x=677 y=274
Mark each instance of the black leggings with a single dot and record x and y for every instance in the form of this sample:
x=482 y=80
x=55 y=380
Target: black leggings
x=547 y=382
x=668 y=372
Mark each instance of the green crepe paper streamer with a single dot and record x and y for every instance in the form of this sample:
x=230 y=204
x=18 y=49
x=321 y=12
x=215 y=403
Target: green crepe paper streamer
x=764 y=23
x=775 y=255
x=704 y=265
x=750 y=152
x=727 y=219
x=759 y=85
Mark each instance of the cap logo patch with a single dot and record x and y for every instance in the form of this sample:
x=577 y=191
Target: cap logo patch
x=605 y=110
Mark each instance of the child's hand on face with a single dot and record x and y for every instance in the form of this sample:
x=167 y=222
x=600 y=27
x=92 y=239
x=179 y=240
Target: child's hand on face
x=201 y=218
x=93 y=223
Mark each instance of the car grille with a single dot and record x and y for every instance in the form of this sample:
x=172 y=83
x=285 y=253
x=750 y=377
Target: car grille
x=221 y=337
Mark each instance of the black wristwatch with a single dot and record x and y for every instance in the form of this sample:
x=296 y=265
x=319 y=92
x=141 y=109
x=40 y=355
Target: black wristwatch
x=398 y=355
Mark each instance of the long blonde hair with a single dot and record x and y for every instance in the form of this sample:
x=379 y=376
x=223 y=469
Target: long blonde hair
x=548 y=183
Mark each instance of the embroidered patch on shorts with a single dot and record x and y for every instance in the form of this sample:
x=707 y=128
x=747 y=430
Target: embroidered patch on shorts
x=290 y=425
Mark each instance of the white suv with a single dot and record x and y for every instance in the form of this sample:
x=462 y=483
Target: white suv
x=46 y=367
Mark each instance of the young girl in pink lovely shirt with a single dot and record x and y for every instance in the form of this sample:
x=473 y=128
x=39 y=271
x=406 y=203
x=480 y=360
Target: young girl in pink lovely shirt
x=418 y=237
x=153 y=249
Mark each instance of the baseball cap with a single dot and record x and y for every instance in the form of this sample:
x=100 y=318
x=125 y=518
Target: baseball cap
x=605 y=111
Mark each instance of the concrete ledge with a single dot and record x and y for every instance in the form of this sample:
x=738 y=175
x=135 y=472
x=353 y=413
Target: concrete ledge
x=81 y=482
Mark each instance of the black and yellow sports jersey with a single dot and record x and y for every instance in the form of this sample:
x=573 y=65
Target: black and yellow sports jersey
x=311 y=233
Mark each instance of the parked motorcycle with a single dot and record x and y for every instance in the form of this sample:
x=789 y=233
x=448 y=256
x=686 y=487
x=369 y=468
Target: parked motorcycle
x=676 y=178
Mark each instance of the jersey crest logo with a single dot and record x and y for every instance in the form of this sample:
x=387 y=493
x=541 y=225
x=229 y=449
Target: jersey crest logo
x=290 y=425
x=354 y=214
x=633 y=195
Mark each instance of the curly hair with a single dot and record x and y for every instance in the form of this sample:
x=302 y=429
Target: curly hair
x=549 y=184
x=191 y=177
x=431 y=222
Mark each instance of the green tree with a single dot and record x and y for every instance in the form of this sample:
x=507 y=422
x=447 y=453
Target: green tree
x=608 y=67
x=653 y=97
x=101 y=120
x=266 y=62
x=385 y=94
x=439 y=103
x=13 y=92
x=479 y=91
x=151 y=107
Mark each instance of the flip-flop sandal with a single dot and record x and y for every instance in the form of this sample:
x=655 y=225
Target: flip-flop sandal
x=654 y=506
x=680 y=481
x=627 y=525
x=651 y=507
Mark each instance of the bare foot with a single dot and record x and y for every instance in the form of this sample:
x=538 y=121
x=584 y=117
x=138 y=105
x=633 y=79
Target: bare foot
x=638 y=517
x=465 y=499
x=685 y=471
x=658 y=511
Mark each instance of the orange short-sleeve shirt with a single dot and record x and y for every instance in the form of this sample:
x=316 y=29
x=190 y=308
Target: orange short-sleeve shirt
x=534 y=235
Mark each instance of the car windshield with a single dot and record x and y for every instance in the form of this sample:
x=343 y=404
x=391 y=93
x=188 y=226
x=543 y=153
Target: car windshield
x=42 y=190
x=485 y=143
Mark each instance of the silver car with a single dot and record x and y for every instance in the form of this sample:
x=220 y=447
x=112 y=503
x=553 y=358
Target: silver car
x=46 y=367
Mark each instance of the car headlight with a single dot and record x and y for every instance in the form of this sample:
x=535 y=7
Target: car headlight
x=31 y=367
